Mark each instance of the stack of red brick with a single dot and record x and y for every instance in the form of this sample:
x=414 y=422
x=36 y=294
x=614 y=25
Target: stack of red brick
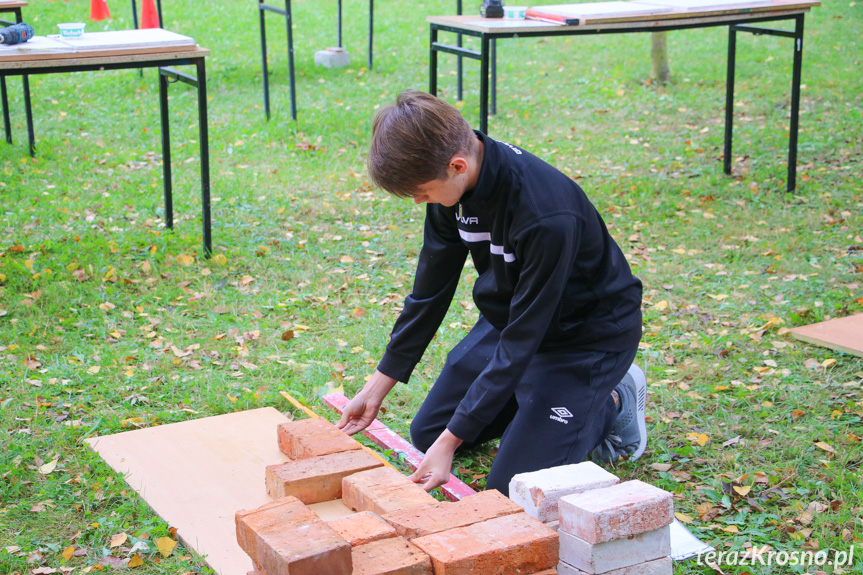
x=399 y=528
x=605 y=526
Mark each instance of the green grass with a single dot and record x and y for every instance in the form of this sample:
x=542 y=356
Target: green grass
x=90 y=278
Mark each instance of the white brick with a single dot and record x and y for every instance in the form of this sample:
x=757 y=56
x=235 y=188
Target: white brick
x=539 y=491
x=663 y=566
x=553 y=525
x=616 y=512
x=615 y=554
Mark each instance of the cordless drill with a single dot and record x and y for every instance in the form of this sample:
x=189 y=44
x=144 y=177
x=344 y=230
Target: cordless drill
x=16 y=33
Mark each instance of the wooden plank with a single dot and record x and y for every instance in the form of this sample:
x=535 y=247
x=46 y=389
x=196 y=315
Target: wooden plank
x=100 y=58
x=196 y=474
x=385 y=437
x=6 y=4
x=842 y=334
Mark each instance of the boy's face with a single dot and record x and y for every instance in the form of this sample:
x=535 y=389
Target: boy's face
x=446 y=191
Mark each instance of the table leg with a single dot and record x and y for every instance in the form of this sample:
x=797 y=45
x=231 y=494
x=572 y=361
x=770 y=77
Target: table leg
x=459 y=65
x=7 y=124
x=264 y=68
x=339 y=24
x=291 y=59
x=167 y=184
x=432 y=61
x=494 y=76
x=483 y=85
x=159 y=12
x=134 y=15
x=729 y=97
x=28 y=111
x=795 y=103
x=205 y=157
x=371 y=30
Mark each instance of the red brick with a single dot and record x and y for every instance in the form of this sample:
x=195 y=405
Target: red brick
x=361 y=528
x=616 y=512
x=284 y=537
x=441 y=516
x=313 y=437
x=502 y=546
x=546 y=572
x=317 y=479
x=395 y=556
x=383 y=490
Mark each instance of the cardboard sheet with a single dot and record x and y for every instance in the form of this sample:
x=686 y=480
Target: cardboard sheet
x=196 y=474
x=842 y=334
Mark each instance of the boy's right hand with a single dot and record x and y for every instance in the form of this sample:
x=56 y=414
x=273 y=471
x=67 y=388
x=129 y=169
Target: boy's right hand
x=363 y=408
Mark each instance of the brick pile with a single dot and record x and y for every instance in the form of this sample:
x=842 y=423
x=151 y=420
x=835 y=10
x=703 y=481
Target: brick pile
x=605 y=527
x=398 y=529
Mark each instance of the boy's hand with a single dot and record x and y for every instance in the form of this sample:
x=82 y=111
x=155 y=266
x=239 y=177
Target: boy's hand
x=363 y=408
x=435 y=468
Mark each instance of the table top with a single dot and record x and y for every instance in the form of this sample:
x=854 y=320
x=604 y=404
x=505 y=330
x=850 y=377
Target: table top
x=101 y=58
x=668 y=18
x=12 y=4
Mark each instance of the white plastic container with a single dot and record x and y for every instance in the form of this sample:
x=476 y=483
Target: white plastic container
x=514 y=12
x=72 y=29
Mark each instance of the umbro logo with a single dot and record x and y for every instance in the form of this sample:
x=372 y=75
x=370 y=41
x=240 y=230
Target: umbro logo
x=561 y=414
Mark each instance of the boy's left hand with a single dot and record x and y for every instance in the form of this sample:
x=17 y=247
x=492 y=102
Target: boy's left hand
x=435 y=468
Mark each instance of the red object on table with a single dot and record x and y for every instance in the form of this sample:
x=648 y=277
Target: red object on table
x=149 y=16
x=99 y=10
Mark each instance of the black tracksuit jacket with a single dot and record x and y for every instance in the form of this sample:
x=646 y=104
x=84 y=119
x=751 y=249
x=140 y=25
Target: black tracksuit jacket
x=550 y=278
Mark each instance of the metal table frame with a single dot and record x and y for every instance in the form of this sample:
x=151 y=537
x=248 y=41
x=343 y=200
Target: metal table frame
x=263 y=8
x=4 y=97
x=736 y=23
x=167 y=75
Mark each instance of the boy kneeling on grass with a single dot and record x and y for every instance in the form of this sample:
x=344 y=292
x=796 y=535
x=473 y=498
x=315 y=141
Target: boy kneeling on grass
x=548 y=366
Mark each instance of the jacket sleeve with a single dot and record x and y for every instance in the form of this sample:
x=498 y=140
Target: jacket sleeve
x=441 y=260
x=546 y=251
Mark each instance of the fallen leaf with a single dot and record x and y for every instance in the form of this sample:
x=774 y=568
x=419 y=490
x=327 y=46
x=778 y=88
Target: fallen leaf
x=699 y=438
x=288 y=335
x=118 y=539
x=742 y=490
x=683 y=518
x=825 y=446
x=94 y=369
x=166 y=546
x=797 y=413
x=731 y=529
x=48 y=467
x=220 y=309
x=68 y=552
x=135 y=561
x=185 y=260
x=661 y=466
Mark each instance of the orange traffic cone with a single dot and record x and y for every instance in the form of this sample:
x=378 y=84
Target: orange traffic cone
x=149 y=17
x=99 y=10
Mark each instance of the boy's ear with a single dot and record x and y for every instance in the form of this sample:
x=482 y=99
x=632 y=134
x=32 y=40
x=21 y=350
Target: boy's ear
x=458 y=163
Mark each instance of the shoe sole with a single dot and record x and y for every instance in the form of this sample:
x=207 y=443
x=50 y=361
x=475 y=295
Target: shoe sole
x=641 y=396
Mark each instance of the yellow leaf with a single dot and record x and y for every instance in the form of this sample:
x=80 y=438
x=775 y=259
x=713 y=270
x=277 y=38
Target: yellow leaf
x=185 y=260
x=683 y=518
x=731 y=529
x=742 y=490
x=68 y=552
x=346 y=259
x=828 y=362
x=826 y=447
x=135 y=561
x=106 y=306
x=699 y=438
x=621 y=92
x=661 y=305
x=94 y=369
x=48 y=467
x=166 y=546
x=220 y=259
x=232 y=399
x=718 y=297
x=118 y=539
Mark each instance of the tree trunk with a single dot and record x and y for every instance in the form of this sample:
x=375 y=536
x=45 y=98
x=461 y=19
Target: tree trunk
x=659 y=56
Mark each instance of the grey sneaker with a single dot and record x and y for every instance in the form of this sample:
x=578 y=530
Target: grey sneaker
x=628 y=436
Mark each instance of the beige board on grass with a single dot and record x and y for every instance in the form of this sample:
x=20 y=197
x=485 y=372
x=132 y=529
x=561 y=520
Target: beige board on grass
x=842 y=334
x=196 y=474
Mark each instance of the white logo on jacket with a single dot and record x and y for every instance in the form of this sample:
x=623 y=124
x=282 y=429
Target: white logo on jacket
x=560 y=413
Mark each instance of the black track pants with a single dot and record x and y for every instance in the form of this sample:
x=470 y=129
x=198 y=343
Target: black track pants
x=561 y=410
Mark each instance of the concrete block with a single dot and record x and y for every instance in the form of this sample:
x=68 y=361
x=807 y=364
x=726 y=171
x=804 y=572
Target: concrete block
x=284 y=537
x=441 y=516
x=616 y=512
x=317 y=479
x=313 y=437
x=502 y=546
x=615 y=554
x=539 y=491
x=663 y=566
x=332 y=58
x=394 y=556
x=553 y=525
x=383 y=490
x=361 y=528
